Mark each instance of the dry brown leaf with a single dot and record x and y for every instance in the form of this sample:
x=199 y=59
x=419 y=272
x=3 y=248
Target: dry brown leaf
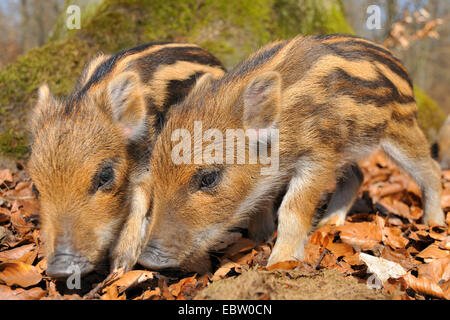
x=19 y=222
x=438 y=233
x=445 y=244
x=19 y=273
x=323 y=235
x=285 y=265
x=165 y=293
x=397 y=207
x=113 y=294
x=400 y=256
x=6 y=293
x=437 y=270
x=445 y=199
x=315 y=255
x=176 y=288
x=340 y=249
x=433 y=252
x=223 y=270
x=393 y=237
x=128 y=280
x=363 y=234
x=150 y=295
x=26 y=253
x=353 y=259
x=446 y=174
x=426 y=286
x=5 y=176
x=388 y=189
x=5 y=215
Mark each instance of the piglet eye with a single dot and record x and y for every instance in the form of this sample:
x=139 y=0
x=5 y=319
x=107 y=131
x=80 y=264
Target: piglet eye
x=209 y=180
x=105 y=178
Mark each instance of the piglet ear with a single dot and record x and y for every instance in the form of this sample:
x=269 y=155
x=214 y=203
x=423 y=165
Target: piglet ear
x=127 y=104
x=44 y=98
x=262 y=101
x=44 y=105
x=203 y=81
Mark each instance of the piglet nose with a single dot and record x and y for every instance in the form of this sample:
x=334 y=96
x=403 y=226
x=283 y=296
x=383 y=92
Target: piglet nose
x=156 y=257
x=66 y=262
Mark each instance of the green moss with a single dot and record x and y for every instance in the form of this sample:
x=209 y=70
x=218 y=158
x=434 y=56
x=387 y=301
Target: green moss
x=430 y=116
x=230 y=29
x=58 y=64
x=88 y=9
x=13 y=145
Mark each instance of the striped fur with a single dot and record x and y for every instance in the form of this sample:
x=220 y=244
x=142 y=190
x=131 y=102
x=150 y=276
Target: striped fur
x=104 y=129
x=339 y=98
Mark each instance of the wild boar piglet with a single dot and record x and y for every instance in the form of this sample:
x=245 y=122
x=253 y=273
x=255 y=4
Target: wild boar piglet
x=90 y=151
x=308 y=109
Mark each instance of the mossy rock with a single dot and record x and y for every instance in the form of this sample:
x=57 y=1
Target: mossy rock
x=430 y=116
x=230 y=29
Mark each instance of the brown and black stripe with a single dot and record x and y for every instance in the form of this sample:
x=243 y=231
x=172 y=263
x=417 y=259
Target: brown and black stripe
x=329 y=68
x=167 y=70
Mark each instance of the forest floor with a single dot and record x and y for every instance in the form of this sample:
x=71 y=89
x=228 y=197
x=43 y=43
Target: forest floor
x=382 y=252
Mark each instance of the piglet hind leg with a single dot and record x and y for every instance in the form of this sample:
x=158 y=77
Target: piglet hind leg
x=410 y=151
x=262 y=226
x=344 y=196
x=295 y=215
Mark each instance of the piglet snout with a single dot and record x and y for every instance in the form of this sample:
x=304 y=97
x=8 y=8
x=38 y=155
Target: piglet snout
x=66 y=262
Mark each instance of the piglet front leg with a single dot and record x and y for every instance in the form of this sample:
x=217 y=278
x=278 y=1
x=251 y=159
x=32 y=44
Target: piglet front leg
x=129 y=245
x=296 y=212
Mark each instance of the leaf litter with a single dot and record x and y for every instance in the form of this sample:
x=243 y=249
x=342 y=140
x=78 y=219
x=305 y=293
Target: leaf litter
x=383 y=236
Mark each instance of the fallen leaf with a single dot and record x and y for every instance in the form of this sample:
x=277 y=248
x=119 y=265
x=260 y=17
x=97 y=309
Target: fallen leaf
x=165 y=293
x=6 y=293
x=400 y=256
x=382 y=268
x=446 y=174
x=285 y=265
x=426 y=286
x=445 y=199
x=445 y=244
x=393 y=237
x=127 y=280
x=433 y=252
x=25 y=253
x=150 y=295
x=223 y=270
x=340 y=249
x=363 y=234
x=5 y=215
x=5 y=176
x=397 y=207
x=19 y=273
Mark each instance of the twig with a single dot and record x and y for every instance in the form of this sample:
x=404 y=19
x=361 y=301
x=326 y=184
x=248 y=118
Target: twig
x=324 y=252
x=110 y=278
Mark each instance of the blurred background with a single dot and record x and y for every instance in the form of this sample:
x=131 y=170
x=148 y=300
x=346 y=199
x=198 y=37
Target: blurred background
x=39 y=43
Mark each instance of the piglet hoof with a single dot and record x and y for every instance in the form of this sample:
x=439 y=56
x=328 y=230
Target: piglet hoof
x=284 y=254
x=123 y=260
x=333 y=219
x=435 y=220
